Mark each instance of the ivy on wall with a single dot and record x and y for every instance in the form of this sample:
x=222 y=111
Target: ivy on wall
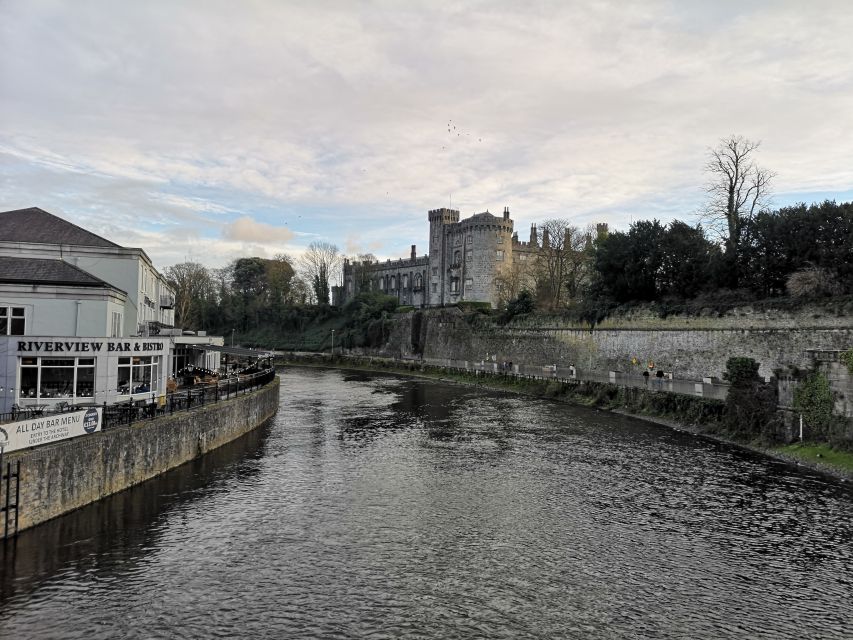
x=813 y=398
x=847 y=359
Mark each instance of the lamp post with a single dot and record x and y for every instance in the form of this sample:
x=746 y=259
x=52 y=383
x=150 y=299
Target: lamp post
x=333 y=342
x=232 y=337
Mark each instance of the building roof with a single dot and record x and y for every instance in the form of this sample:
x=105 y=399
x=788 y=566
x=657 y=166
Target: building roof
x=38 y=226
x=17 y=270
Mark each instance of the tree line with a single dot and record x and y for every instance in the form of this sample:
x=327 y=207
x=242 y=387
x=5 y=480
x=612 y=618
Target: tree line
x=741 y=249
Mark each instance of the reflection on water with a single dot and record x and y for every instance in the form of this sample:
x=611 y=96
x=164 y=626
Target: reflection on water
x=375 y=506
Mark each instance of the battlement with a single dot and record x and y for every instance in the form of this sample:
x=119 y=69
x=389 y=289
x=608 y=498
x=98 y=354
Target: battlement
x=486 y=219
x=444 y=215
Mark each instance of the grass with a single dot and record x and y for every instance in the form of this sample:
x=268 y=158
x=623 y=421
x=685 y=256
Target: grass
x=820 y=453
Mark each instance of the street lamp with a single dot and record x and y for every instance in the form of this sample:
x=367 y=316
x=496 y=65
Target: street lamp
x=333 y=342
x=232 y=337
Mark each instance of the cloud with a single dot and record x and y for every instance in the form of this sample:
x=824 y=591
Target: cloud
x=247 y=230
x=334 y=121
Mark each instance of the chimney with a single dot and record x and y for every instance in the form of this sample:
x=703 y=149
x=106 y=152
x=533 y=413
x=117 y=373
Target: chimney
x=414 y=253
x=506 y=213
x=534 y=239
x=546 y=239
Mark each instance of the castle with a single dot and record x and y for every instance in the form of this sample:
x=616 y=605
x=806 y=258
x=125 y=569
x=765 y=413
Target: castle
x=467 y=260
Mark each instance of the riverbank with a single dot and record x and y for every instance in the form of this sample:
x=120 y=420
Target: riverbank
x=699 y=416
x=63 y=476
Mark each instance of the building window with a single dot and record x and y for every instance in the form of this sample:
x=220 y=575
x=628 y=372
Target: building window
x=500 y=239
x=435 y=287
x=470 y=239
x=405 y=281
x=454 y=285
x=457 y=257
x=435 y=271
x=49 y=378
x=381 y=284
x=469 y=282
x=138 y=374
x=393 y=283
x=468 y=256
x=499 y=255
x=418 y=281
x=12 y=321
x=115 y=325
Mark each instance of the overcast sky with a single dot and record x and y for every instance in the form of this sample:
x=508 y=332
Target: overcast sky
x=212 y=130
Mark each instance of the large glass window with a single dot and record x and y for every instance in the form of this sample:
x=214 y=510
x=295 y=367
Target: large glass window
x=138 y=374
x=12 y=321
x=52 y=378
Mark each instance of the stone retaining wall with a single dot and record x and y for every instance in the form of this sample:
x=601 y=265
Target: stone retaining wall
x=63 y=476
x=691 y=353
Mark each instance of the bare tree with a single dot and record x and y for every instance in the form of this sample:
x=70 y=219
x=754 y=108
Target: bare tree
x=738 y=189
x=320 y=266
x=192 y=284
x=562 y=262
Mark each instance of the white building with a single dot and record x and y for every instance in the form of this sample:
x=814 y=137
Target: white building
x=82 y=319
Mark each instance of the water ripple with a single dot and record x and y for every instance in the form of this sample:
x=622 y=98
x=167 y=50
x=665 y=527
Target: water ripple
x=378 y=507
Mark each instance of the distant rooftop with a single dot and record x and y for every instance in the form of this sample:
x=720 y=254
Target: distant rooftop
x=17 y=270
x=36 y=225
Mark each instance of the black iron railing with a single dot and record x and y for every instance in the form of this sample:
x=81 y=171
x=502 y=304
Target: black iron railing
x=184 y=400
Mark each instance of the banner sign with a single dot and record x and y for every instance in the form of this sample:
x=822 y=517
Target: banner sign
x=51 y=428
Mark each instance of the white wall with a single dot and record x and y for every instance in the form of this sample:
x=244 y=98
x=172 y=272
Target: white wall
x=53 y=310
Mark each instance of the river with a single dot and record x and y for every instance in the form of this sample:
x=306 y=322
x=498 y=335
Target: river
x=382 y=507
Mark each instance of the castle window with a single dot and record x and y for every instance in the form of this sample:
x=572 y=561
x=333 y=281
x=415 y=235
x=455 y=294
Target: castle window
x=499 y=255
x=500 y=239
x=435 y=271
x=454 y=285
x=418 y=281
x=393 y=283
x=470 y=239
x=457 y=257
x=468 y=255
x=434 y=287
x=405 y=281
x=469 y=282
x=381 y=284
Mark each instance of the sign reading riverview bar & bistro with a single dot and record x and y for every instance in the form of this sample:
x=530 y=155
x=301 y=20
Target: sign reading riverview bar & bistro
x=90 y=346
x=42 y=430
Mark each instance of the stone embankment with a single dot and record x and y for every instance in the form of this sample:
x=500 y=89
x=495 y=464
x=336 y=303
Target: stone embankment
x=691 y=347
x=63 y=476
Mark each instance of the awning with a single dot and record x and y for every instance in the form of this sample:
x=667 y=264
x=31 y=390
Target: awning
x=233 y=351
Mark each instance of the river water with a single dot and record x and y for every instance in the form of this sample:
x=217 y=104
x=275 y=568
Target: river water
x=382 y=507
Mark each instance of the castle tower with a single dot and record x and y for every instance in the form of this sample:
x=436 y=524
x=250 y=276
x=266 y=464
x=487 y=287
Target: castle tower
x=439 y=221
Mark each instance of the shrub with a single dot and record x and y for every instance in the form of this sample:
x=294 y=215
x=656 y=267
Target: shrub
x=750 y=404
x=813 y=398
x=813 y=282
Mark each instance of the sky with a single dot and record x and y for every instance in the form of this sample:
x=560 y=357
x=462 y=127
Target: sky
x=213 y=130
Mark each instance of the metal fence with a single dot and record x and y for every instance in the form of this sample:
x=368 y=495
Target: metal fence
x=148 y=409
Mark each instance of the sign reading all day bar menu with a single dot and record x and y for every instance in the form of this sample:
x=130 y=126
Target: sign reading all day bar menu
x=43 y=429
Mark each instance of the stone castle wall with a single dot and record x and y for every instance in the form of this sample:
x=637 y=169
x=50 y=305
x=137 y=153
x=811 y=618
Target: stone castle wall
x=464 y=259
